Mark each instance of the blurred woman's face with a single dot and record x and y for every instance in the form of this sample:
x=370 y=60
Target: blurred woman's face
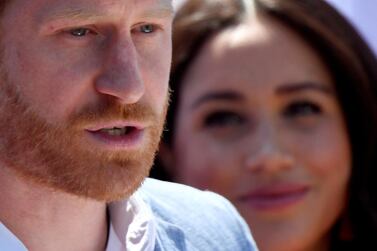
x=259 y=122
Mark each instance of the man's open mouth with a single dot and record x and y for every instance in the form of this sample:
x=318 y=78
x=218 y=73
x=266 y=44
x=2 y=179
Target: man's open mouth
x=118 y=136
x=118 y=131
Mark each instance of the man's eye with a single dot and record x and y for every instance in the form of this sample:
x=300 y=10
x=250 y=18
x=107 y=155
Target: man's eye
x=302 y=108
x=79 y=32
x=147 y=28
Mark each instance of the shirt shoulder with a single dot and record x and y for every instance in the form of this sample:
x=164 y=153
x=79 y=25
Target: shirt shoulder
x=190 y=219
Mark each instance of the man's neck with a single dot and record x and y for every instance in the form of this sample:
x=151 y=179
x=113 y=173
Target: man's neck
x=49 y=220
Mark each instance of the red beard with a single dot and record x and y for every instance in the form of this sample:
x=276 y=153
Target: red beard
x=54 y=155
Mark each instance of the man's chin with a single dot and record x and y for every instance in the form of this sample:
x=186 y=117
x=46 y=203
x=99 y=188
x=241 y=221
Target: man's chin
x=72 y=168
x=104 y=183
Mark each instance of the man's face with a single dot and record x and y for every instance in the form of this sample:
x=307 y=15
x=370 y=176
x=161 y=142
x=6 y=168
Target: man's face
x=83 y=92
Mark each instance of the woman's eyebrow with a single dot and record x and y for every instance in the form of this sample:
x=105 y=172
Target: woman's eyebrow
x=226 y=95
x=290 y=88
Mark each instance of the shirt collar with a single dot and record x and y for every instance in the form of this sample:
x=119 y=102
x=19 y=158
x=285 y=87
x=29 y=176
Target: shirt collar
x=132 y=226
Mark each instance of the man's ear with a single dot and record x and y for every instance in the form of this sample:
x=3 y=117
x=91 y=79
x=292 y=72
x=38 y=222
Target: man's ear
x=166 y=158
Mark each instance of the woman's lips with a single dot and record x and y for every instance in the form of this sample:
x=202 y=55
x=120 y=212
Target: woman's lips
x=275 y=197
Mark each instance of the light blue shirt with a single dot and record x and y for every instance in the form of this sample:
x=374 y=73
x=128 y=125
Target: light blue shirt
x=188 y=219
x=164 y=216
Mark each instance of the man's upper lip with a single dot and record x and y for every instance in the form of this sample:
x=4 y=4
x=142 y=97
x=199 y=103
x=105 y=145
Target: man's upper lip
x=116 y=124
x=274 y=190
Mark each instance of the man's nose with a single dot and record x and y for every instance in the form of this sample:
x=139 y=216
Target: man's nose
x=120 y=75
x=268 y=153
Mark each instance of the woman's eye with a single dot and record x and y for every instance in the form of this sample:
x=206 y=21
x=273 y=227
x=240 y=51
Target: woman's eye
x=79 y=32
x=223 y=119
x=302 y=108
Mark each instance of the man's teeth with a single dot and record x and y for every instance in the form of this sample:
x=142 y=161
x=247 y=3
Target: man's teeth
x=115 y=131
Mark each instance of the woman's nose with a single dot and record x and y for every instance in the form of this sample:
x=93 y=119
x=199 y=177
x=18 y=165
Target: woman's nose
x=268 y=153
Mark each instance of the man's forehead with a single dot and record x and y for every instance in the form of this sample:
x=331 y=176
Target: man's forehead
x=159 y=8
x=61 y=8
x=145 y=6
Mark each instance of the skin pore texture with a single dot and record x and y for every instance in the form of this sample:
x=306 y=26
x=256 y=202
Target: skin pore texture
x=71 y=71
x=258 y=121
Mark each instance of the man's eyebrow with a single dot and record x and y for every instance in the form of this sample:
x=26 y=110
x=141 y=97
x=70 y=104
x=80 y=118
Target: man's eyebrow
x=72 y=14
x=226 y=95
x=290 y=88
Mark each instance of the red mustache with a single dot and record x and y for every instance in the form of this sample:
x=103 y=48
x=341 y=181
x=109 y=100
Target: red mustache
x=109 y=109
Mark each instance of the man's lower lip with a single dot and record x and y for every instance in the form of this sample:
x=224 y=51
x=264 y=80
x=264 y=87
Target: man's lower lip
x=274 y=202
x=131 y=140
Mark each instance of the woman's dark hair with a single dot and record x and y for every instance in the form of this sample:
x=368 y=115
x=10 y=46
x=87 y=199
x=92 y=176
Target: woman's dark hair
x=353 y=67
x=193 y=25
